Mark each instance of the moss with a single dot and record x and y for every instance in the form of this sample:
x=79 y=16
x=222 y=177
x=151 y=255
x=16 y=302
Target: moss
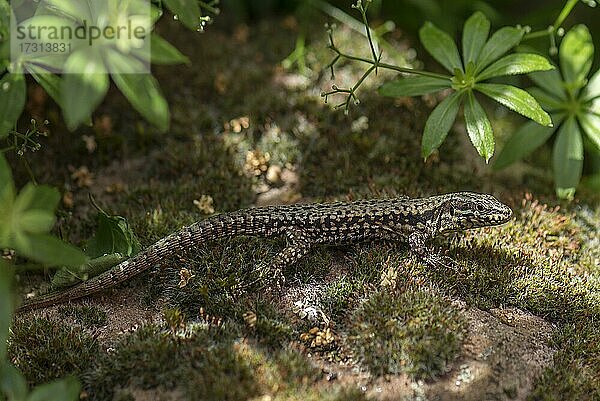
x=44 y=349
x=272 y=327
x=87 y=316
x=409 y=331
x=204 y=363
x=576 y=367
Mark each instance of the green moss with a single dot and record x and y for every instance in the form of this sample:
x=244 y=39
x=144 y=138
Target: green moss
x=44 y=349
x=408 y=331
x=87 y=316
x=576 y=366
x=204 y=363
x=272 y=327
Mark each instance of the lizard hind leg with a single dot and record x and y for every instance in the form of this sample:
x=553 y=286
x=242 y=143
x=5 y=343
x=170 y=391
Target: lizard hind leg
x=298 y=245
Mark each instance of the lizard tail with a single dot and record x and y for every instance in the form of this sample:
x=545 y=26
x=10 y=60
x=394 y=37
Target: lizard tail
x=216 y=227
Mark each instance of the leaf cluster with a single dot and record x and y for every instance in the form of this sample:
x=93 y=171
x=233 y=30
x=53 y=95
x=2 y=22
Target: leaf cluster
x=87 y=70
x=482 y=58
x=573 y=102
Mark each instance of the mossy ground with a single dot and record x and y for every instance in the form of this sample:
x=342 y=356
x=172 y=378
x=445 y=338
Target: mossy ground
x=226 y=335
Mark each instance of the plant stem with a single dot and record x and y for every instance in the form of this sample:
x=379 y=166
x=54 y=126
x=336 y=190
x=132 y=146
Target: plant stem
x=392 y=67
x=564 y=13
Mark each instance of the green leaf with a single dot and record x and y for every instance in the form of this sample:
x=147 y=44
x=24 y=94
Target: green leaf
x=475 y=33
x=567 y=158
x=49 y=250
x=50 y=82
x=6 y=181
x=523 y=141
x=113 y=235
x=152 y=105
x=513 y=64
x=36 y=221
x=83 y=92
x=12 y=101
x=59 y=390
x=80 y=10
x=6 y=306
x=592 y=89
x=479 y=127
x=416 y=86
x=40 y=197
x=517 y=100
x=439 y=123
x=576 y=56
x=162 y=52
x=69 y=276
x=551 y=82
x=188 y=12
x=501 y=41
x=548 y=101
x=12 y=382
x=440 y=46
x=590 y=123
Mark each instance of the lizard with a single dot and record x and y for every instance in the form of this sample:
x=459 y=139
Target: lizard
x=411 y=220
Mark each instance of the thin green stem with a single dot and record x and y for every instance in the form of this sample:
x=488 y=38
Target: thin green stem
x=538 y=34
x=363 y=12
x=393 y=67
x=564 y=13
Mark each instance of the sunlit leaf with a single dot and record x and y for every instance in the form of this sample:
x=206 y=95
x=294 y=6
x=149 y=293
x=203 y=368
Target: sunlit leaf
x=475 y=34
x=590 y=123
x=12 y=101
x=517 y=100
x=80 y=10
x=441 y=47
x=50 y=82
x=479 y=127
x=517 y=63
x=439 y=123
x=152 y=105
x=501 y=41
x=48 y=250
x=592 y=89
x=416 y=86
x=39 y=197
x=523 y=141
x=84 y=86
x=567 y=158
x=576 y=56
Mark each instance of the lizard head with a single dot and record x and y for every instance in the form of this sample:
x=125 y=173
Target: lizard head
x=465 y=210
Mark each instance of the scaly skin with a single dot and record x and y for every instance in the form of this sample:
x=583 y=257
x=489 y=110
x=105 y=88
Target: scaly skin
x=402 y=219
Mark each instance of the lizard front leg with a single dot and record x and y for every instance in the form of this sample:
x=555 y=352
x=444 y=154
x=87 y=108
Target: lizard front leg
x=416 y=241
